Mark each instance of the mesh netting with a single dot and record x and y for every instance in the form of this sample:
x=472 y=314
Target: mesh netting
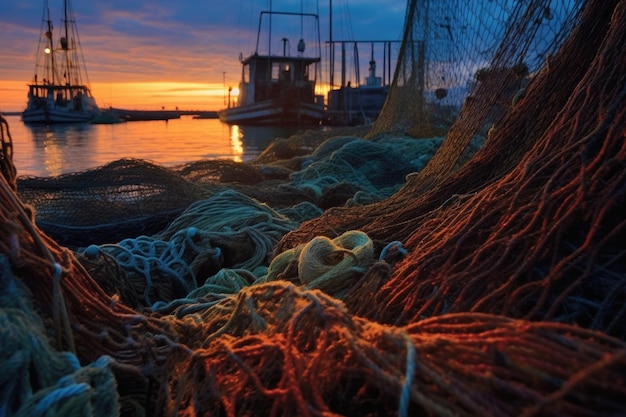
x=6 y=156
x=36 y=379
x=227 y=230
x=349 y=168
x=130 y=197
x=480 y=51
x=258 y=356
x=124 y=198
x=490 y=287
x=532 y=230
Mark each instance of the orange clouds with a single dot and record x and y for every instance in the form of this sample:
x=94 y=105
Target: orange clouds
x=154 y=54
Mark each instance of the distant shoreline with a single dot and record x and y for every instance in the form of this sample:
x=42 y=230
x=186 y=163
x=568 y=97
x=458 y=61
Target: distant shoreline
x=147 y=114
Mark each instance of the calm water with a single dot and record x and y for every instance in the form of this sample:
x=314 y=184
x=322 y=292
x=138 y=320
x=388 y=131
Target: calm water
x=48 y=151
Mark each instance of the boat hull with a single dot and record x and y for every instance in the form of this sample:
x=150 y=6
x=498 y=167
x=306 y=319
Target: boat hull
x=48 y=116
x=273 y=113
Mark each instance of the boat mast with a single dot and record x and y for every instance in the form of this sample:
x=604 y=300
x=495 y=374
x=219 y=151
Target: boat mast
x=65 y=16
x=50 y=71
x=65 y=46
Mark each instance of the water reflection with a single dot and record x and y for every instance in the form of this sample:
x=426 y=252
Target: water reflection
x=254 y=139
x=235 y=139
x=257 y=138
x=55 y=150
x=58 y=146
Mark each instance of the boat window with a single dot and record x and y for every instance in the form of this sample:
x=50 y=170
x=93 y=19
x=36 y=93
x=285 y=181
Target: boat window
x=283 y=73
x=246 y=74
x=276 y=70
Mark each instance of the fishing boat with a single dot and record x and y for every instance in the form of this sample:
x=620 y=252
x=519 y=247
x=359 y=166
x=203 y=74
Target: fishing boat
x=361 y=103
x=277 y=89
x=59 y=91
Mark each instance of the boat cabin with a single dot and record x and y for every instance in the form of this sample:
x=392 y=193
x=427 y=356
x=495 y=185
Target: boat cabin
x=277 y=77
x=277 y=89
x=72 y=97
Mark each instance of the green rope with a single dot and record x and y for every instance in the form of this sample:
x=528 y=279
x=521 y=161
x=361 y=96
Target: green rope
x=330 y=265
x=36 y=380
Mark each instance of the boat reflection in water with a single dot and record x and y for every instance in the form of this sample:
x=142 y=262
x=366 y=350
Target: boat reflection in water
x=48 y=150
x=255 y=139
x=59 y=146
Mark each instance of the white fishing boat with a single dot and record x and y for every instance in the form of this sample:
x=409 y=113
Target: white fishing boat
x=59 y=91
x=278 y=89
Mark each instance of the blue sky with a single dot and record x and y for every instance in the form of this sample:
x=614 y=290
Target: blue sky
x=182 y=41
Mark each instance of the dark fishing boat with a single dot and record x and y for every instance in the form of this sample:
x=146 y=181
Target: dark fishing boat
x=361 y=103
x=278 y=89
x=59 y=91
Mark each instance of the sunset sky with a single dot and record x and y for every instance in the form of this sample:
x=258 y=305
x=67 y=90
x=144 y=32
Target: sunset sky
x=148 y=54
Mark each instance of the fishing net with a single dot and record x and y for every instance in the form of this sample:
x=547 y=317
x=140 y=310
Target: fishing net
x=6 y=156
x=332 y=266
x=227 y=230
x=516 y=48
x=288 y=152
x=361 y=171
x=275 y=348
x=502 y=38
x=220 y=171
x=127 y=197
x=278 y=350
x=490 y=287
x=36 y=379
x=475 y=55
x=533 y=225
x=132 y=198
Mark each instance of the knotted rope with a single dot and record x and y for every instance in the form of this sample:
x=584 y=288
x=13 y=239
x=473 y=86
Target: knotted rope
x=330 y=265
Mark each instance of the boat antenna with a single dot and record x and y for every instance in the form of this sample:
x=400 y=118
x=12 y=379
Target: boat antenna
x=330 y=24
x=269 y=40
x=331 y=45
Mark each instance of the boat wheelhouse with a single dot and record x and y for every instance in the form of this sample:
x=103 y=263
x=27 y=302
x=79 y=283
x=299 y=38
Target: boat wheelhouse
x=277 y=89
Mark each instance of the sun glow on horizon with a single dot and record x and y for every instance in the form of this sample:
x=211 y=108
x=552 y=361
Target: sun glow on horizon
x=157 y=95
x=131 y=95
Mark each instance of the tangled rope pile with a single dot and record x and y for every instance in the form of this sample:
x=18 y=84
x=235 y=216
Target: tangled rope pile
x=36 y=379
x=543 y=242
x=288 y=351
x=332 y=266
x=368 y=171
x=530 y=231
x=497 y=289
x=227 y=230
x=165 y=270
